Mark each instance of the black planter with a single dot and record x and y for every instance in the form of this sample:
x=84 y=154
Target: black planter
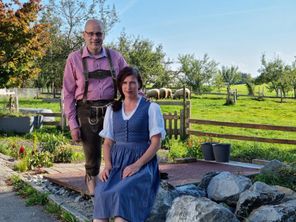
x=222 y=152
x=207 y=151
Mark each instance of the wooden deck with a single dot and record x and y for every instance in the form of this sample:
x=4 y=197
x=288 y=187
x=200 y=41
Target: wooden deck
x=72 y=175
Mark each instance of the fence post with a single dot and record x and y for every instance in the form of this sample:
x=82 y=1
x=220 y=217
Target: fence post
x=176 y=124
x=182 y=126
x=63 y=122
x=188 y=115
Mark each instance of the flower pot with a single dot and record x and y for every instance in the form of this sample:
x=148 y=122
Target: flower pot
x=22 y=124
x=222 y=152
x=207 y=151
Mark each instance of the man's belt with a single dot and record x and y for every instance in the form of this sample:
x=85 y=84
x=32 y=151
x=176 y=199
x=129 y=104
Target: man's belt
x=101 y=102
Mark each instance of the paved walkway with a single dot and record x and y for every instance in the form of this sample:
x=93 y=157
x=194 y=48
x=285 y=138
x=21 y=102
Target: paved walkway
x=12 y=207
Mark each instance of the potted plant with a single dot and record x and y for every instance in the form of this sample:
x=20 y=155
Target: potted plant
x=207 y=150
x=222 y=152
x=16 y=122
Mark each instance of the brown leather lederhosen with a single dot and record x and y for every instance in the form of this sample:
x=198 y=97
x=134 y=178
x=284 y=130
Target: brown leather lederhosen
x=91 y=116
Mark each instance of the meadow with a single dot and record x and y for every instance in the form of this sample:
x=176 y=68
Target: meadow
x=246 y=110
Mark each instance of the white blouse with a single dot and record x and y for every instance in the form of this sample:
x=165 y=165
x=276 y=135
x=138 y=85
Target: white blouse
x=156 y=123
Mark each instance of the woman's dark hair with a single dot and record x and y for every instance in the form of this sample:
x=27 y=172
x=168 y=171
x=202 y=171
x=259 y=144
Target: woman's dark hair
x=125 y=72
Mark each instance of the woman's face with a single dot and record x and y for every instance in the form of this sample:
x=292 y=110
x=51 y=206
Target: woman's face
x=130 y=87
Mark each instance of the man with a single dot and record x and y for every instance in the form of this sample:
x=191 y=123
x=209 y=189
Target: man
x=88 y=87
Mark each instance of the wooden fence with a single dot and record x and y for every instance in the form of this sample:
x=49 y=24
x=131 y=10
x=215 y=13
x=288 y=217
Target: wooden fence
x=241 y=125
x=176 y=123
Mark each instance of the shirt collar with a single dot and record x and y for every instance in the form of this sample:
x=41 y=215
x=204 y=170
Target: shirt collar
x=102 y=54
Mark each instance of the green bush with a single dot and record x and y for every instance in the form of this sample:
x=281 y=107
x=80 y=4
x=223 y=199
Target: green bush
x=49 y=142
x=63 y=154
x=286 y=177
x=40 y=159
x=177 y=149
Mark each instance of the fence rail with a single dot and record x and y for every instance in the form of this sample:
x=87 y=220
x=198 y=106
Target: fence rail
x=241 y=125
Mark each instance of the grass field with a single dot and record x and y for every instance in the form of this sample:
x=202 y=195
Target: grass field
x=247 y=110
x=242 y=90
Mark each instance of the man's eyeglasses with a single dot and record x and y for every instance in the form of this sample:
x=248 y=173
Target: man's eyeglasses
x=92 y=34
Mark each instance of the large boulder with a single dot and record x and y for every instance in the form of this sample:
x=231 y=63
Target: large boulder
x=284 y=212
x=226 y=187
x=257 y=195
x=273 y=167
x=192 y=209
x=163 y=202
x=191 y=190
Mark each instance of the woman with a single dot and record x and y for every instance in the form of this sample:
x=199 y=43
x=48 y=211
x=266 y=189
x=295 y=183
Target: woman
x=133 y=129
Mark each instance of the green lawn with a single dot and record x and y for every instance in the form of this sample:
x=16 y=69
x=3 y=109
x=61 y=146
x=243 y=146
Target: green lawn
x=247 y=110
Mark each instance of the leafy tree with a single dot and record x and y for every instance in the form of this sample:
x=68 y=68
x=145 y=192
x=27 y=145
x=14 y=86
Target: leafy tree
x=272 y=73
x=292 y=77
x=289 y=78
x=195 y=73
x=230 y=76
x=149 y=59
x=23 y=40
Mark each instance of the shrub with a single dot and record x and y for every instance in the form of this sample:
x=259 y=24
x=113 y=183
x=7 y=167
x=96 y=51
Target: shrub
x=63 y=154
x=49 y=142
x=177 y=149
x=285 y=177
x=40 y=159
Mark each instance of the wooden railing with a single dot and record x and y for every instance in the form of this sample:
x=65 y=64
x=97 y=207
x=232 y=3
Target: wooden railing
x=176 y=123
x=241 y=125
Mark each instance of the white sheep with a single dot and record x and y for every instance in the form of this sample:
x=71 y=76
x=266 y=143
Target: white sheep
x=169 y=93
x=179 y=94
x=162 y=93
x=153 y=93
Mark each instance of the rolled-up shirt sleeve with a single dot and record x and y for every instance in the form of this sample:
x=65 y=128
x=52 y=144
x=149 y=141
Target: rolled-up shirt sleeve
x=156 y=122
x=107 y=131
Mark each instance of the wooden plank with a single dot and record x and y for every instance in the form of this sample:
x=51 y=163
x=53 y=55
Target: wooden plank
x=170 y=127
x=167 y=103
x=55 y=123
x=51 y=114
x=182 y=126
x=166 y=116
x=176 y=125
x=238 y=137
x=243 y=125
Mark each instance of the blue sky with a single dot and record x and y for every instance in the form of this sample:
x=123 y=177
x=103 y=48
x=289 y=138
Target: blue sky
x=232 y=32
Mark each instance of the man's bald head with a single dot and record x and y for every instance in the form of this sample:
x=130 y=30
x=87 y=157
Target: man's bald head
x=94 y=22
x=94 y=35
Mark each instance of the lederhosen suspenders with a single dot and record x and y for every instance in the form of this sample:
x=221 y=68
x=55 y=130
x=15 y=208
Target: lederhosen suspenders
x=98 y=74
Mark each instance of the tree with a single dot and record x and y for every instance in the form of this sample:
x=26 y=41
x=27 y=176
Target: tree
x=23 y=41
x=272 y=73
x=230 y=76
x=149 y=59
x=195 y=73
x=290 y=76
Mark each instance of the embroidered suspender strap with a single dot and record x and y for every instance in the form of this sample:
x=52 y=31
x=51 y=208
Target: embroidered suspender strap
x=112 y=72
x=99 y=74
x=85 y=73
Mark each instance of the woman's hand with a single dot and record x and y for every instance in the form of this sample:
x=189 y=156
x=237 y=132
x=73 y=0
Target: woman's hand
x=130 y=170
x=104 y=175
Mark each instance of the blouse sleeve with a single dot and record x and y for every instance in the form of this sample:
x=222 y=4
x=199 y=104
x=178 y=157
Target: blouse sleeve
x=156 y=123
x=107 y=131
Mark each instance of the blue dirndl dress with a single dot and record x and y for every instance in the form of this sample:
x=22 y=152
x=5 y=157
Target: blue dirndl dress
x=131 y=198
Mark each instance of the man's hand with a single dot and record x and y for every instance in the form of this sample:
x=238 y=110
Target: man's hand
x=75 y=134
